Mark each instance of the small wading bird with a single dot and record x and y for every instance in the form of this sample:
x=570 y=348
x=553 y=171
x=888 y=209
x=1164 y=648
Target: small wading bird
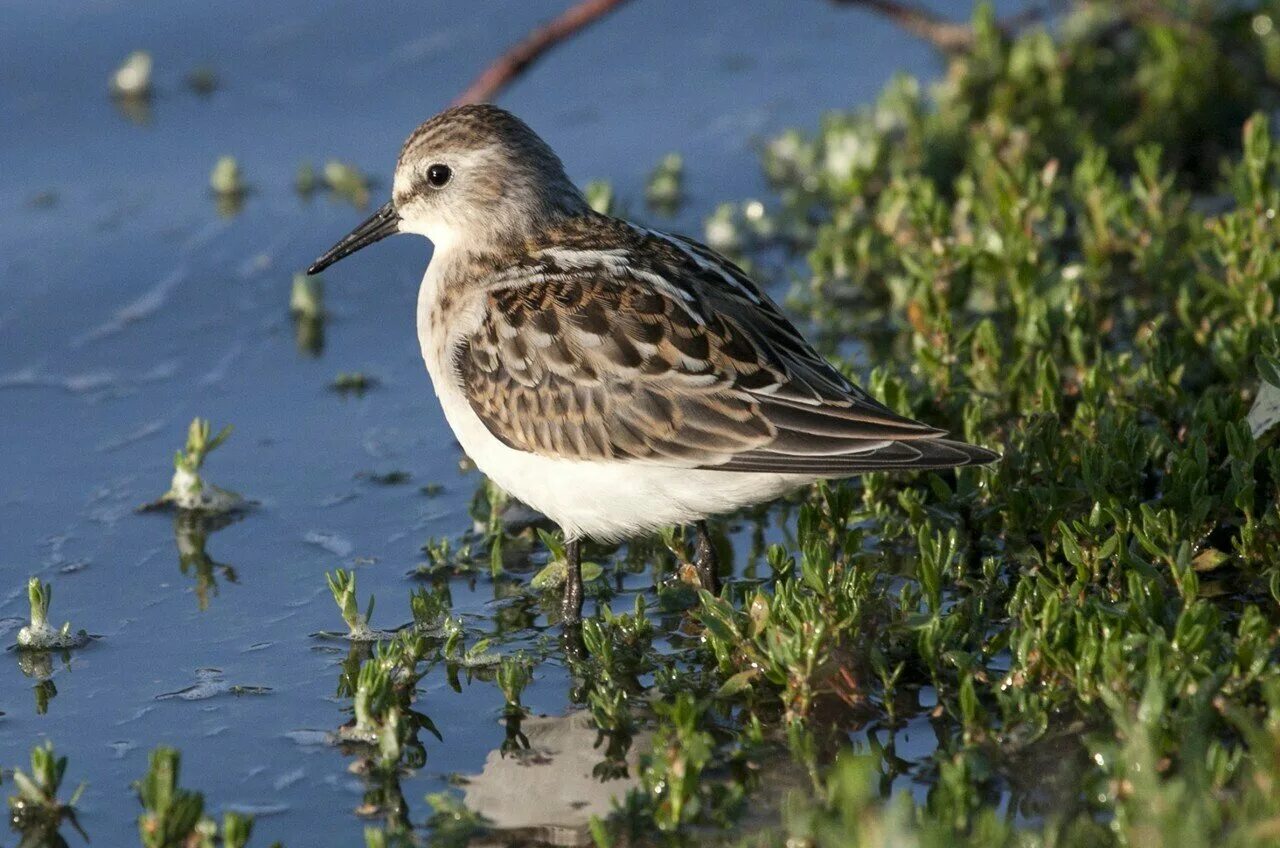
x=615 y=378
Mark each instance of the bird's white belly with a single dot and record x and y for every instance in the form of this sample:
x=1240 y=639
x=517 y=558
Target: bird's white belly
x=606 y=501
x=600 y=500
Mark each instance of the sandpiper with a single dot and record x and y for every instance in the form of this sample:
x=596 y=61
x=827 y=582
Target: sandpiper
x=615 y=378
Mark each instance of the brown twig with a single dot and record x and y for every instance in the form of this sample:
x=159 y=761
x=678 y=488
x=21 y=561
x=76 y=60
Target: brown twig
x=529 y=49
x=947 y=36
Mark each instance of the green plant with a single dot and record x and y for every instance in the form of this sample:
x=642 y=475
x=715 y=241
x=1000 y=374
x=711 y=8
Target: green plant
x=188 y=490
x=342 y=584
x=664 y=190
x=677 y=792
x=38 y=635
x=353 y=382
x=555 y=572
x=513 y=675
x=34 y=810
x=173 y=817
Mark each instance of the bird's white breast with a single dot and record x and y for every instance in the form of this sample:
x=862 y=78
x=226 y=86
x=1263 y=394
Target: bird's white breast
x=600 y=500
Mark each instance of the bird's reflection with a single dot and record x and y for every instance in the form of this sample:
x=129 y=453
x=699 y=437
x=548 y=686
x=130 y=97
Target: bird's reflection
x=560 y=756
x=191 y=532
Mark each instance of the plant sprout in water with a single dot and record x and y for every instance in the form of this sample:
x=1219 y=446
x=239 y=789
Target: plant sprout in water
x=306 y=305
x=306 y=297
x=38 y=635
x=453 y=650
x=514 y=674
x=342 y=584
x=430 y=609
x=173 y=817
x=347 y=182
x=203 y=81
x=665 y=190
x=130 y=86
x=353 y=382
x=602 y=198
x=34 y=810
x=226 y=178
x=227 y=183
x=188 y=490
x=133 y=78
x=374 y=696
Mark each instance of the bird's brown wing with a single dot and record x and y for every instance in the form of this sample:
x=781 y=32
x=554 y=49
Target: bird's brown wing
x=659 y=350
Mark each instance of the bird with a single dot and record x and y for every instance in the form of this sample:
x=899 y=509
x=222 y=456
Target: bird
x=616 y=378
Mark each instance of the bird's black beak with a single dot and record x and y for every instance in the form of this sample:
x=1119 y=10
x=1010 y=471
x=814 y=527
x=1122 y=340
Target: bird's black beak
x=385 y=222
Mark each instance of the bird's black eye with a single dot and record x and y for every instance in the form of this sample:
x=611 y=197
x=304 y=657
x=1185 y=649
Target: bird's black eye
x=438 y=175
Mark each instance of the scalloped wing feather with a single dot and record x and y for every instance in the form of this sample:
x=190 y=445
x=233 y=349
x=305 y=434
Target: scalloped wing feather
x=654 y=348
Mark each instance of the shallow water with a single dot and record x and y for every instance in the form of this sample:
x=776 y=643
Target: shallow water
x=129 y=304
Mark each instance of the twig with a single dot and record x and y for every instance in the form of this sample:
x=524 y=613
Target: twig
x=529 y=49
x=947 y=36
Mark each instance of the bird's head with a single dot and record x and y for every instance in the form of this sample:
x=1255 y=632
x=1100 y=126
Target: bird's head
x=473 y=174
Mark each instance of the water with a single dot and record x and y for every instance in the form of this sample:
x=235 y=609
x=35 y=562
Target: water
x=129 y=305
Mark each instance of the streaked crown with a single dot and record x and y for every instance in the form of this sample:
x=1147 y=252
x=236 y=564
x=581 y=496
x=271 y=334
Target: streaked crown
x=479 y=173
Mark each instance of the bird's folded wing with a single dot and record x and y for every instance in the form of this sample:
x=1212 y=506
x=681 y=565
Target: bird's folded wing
x=661 y=351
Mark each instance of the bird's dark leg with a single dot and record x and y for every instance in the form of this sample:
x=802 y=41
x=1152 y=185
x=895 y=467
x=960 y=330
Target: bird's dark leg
x=571 y=604
x=705 y=560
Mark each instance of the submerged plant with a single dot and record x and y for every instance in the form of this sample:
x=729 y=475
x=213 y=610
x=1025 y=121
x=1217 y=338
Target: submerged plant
x=38 y=635
x=203 y=80
x=353 y=382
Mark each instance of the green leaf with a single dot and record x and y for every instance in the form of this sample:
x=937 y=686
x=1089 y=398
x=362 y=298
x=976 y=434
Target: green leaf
x=27 y=788
x=553 y=544
x=738 y=683
x=553 y=574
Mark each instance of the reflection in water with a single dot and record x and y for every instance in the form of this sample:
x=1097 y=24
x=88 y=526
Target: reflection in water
x=309 y=334
x=39 y=665
x=383 y=798
x=229 y=204
x=39 y=824
x=191 y=531
x=548 y=785
x=136 y=109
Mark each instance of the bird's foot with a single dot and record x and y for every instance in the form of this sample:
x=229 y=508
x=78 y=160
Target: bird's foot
x=571 y=601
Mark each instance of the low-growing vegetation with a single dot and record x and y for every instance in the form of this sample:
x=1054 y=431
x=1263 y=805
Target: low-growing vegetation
x=1069 y=250
x=1066 y=249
